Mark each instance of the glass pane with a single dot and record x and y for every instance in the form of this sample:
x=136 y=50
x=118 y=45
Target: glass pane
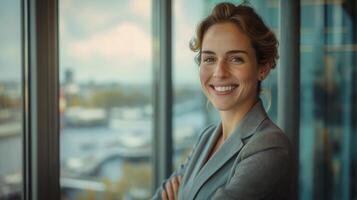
x=11 y=110
x=189 y=102
x=192 y=112
x=106 y=108
x=269 y=10
x=328 y=136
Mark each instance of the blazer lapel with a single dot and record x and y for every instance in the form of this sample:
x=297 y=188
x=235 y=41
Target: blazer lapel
x=210 y=144
x=230 y=147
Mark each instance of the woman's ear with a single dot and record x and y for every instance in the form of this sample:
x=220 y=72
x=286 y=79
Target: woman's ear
x=264 y=71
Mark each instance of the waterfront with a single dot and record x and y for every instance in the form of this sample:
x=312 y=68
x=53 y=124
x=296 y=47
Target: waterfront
x=91 y=157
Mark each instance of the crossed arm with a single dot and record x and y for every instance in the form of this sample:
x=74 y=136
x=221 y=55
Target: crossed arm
x=263 y=172
x=169 y=188
x=257 y=176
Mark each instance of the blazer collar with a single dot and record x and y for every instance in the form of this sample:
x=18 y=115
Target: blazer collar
x=251 y=121
x=229 y=148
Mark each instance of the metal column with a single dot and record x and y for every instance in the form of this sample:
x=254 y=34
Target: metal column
x=41 y=63
x=289 y=81
x=162 y=64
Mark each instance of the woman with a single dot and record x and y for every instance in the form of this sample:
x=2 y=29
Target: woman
x=245 y=156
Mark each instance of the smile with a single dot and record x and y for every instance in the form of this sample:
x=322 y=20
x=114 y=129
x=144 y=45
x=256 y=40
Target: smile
x=224 y=89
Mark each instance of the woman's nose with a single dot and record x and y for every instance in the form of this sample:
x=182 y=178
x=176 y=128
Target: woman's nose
x=221 y=69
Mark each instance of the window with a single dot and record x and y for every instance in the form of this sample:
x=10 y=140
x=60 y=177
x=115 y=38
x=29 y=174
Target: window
x=105 y=99
x=328 y=95
x=189 y=112
x=11 y=101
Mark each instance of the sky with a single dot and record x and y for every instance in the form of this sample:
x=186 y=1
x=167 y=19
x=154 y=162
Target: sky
x=111 y=40
x=106 y=41
x=10 y=40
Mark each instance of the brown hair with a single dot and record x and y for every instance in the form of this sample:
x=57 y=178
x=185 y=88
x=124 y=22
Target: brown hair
x=263 y=40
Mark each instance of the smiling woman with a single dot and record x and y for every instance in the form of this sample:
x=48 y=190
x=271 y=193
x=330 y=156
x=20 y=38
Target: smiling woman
x=245 y=156
x=229 y=70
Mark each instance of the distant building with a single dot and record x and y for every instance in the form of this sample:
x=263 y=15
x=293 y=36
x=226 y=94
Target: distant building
x=68 y=76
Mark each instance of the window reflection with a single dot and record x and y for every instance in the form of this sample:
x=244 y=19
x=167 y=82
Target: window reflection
x=10 y=101
x=105 y=102
x=328 y=96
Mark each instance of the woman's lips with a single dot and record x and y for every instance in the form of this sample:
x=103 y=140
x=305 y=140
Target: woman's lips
x=224 y=89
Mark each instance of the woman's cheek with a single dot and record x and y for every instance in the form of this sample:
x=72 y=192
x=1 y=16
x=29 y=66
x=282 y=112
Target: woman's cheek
x=203 y=76
x=242 y=75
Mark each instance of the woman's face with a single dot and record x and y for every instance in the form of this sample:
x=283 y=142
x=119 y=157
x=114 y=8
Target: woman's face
x=228 y=71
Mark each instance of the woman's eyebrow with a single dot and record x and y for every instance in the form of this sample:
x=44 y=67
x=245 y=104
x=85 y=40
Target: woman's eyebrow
x=228 y=52
x=236 y=51
x=208 y=52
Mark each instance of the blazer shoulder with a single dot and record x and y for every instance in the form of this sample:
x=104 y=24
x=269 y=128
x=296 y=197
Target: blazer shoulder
x=268 y=136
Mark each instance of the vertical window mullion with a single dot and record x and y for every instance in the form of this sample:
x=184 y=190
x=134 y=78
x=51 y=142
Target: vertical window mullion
x=43 y=126
x=289 y=81
x=26 y=147
x=162 y=64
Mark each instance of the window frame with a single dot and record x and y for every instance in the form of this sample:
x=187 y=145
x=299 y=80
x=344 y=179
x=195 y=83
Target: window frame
x=162 y=143
x=289 y=83
x=41 y=91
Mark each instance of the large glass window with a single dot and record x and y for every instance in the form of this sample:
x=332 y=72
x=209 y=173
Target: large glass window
x=328 y=137
x=269 y=10
x=189 y=111
x=105 y=99
x=11 y=109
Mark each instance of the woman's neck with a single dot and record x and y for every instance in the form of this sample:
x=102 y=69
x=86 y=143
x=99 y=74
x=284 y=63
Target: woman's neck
x=231 y=118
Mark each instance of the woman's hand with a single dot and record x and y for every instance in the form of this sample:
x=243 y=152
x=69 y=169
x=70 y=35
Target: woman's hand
x=171 y=188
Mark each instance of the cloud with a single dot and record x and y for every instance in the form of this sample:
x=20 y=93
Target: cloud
x=185 y=69
x=94 y=17
x=141 y=8
x=115 y=43
x=87 y=17
x=118 y=53
x=124 y=43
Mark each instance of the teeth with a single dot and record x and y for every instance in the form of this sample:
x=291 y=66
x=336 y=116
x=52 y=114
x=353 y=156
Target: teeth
x=224 y=88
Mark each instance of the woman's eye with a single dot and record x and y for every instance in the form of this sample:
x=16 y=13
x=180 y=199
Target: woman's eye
x=208 y=60
x=236 y=60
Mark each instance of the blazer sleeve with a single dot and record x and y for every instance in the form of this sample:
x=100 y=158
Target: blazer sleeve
x=181 y=170
x=265 y=166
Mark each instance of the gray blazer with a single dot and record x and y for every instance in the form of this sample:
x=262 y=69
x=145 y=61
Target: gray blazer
x=253 y=163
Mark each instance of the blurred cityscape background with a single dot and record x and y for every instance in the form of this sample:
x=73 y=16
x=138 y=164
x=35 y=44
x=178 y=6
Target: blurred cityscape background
x=106 y=96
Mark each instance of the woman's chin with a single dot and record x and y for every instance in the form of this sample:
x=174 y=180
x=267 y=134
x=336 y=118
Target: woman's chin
x=222 y=106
